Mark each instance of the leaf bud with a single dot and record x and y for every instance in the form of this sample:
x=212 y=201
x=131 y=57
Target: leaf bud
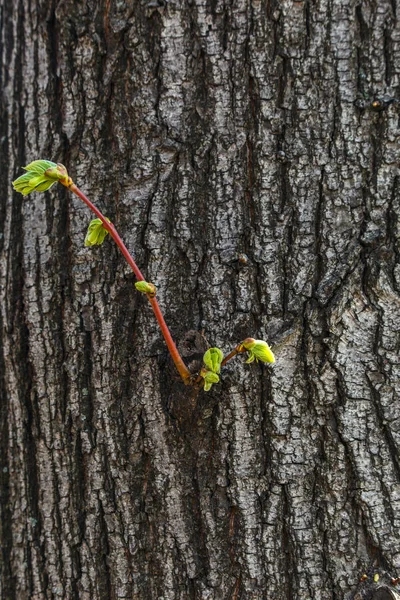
x=146 y=288
x=96 y=233
x=258 y=350
x=213 y=359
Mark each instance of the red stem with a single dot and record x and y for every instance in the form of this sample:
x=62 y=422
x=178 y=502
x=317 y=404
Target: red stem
x=176 y=357
x=239 y=348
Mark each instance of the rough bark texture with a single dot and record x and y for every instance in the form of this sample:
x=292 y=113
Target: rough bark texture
x=238 y=150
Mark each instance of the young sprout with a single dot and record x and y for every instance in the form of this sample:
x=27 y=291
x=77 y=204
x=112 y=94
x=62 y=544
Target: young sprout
x=40 y=176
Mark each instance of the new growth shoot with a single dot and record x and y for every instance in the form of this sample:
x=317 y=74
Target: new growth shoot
x=40 y=176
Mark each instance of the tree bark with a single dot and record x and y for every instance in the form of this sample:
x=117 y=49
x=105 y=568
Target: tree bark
x=247 y=152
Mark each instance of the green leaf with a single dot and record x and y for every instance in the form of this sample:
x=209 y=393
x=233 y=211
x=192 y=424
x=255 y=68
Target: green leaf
x=96 y=233
x=46 y=185
x=209 y=379
x=213 y=359
x=40 y=166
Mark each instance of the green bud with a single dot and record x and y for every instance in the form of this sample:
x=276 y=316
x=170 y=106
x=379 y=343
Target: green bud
x=58 y=173
x=213 y=359
x=146 y=288
x=209 y=378
x=96 y=233
x=248 y=343
x=36 y=179
x=258 y=350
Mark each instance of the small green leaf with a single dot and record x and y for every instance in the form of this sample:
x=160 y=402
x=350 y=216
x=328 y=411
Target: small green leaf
x=40 y=166
x=96 y=233
x=145 y=288
x=213 y=359
x=209 y=379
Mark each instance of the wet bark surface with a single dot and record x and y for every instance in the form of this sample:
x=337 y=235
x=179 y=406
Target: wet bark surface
x=247 y=152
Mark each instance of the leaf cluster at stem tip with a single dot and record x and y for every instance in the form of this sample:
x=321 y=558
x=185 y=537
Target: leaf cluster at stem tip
x=40 y=176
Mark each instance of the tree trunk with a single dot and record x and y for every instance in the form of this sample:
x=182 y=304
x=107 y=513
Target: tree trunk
x=247 y=152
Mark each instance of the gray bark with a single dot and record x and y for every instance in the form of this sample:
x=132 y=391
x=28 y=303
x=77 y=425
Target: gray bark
x=237 y=148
